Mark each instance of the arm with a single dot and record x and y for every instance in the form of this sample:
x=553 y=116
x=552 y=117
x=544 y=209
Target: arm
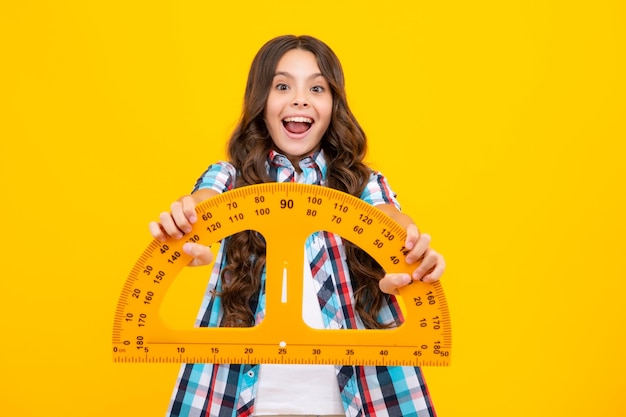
x=430 y=264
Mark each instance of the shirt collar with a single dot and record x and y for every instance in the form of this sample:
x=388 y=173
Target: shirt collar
x=314 y=166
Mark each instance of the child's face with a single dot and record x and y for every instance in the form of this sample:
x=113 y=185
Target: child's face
x=299 y=105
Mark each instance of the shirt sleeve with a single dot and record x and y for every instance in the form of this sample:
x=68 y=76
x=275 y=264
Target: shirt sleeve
x=377 y=191
x=219 y=177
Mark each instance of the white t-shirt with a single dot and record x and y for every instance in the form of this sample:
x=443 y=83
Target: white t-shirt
x=300 y=389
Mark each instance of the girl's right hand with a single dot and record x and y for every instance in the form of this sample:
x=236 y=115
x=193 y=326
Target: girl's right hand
x=175 y=223
x=179 y=221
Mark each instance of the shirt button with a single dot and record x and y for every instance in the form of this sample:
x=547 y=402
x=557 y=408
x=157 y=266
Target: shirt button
x=251 y=374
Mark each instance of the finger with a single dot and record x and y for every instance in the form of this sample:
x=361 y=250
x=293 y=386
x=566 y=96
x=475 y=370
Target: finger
x=390 y=283
x=429 y=262
x=189 y=208
x=412 y=236
x=436 y=273
x=202 y=255
x=157 y=232
x=178 y=214
x=169 y=226
x=420 y=248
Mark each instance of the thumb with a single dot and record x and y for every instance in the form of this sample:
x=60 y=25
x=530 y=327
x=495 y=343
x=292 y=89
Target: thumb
x=391 y=282
x=202 y=255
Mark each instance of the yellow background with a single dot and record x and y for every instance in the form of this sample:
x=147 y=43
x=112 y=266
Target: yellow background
x=499 y=123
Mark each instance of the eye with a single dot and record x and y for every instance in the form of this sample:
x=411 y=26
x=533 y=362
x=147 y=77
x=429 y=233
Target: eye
x=318 y=89
x=282 y=87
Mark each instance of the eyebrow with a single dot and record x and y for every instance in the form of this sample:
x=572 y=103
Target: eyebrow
x=288 y=75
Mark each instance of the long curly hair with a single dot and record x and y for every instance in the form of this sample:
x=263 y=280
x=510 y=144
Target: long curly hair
x=344 y=145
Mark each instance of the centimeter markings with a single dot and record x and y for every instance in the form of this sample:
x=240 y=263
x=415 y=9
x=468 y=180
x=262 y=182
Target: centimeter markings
x=285 y=214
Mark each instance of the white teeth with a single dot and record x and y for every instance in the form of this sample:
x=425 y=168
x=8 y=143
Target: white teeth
x=298 y=119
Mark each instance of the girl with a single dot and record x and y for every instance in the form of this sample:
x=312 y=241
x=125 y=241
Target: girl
x=296 y=126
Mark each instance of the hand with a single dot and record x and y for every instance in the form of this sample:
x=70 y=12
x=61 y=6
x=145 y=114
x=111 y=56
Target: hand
x=176 y=223
x=202 y=255
x=430 y=269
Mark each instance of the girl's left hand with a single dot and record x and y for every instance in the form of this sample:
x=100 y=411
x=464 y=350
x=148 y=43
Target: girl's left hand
x=431 y=266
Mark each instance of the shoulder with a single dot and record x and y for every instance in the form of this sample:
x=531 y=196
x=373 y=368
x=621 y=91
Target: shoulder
x=219 y=176
x=378 y=191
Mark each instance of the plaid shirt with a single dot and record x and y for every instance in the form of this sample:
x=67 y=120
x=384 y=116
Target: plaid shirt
x=229 y=390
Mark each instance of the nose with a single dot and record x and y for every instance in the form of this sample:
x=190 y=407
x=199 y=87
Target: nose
x=300 y=102
x=300 y=99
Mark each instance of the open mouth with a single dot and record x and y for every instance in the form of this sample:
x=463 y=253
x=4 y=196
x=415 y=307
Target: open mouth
x=297 y=124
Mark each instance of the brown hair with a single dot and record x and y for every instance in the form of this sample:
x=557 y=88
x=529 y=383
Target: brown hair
x=344 y=145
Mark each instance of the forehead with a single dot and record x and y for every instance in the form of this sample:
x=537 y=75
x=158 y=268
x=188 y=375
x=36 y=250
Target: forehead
x=298 y=62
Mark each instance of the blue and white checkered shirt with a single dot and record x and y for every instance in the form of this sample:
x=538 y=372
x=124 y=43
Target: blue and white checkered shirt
x=230 y=390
